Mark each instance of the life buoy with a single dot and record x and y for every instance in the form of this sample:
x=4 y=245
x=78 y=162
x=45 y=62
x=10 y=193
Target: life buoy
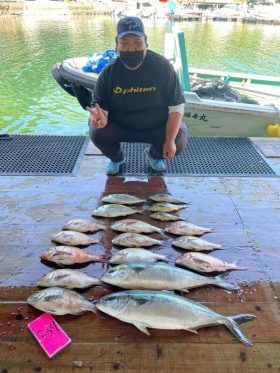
x=273 y=130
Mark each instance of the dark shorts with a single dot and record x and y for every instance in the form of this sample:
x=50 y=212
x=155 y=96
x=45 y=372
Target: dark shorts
x=108 y=140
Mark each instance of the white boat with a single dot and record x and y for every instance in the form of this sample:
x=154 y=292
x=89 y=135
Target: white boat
x=204 y=117
x=265 y=12
x=229 y=12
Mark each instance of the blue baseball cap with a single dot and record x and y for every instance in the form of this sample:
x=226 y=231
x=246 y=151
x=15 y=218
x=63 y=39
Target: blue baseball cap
x=130 y=25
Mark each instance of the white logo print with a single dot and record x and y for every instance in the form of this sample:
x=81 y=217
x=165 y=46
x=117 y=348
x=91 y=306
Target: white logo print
x=133 y=24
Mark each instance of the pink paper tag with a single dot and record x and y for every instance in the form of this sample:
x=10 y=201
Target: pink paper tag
x=49 y=334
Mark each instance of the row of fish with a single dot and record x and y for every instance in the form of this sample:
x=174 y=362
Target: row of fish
x=197 y=261
x=116 y=206
x=177 y=228
x=142 y=308
x=127 y=199
x=67 y=255
x=72 y=235
x=135 y=275
x=145 y=308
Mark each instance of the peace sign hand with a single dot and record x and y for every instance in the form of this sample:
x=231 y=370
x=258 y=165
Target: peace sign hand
x=98 y=116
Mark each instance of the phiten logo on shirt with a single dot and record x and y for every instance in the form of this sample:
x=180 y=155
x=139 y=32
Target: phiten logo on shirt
x=124 y=91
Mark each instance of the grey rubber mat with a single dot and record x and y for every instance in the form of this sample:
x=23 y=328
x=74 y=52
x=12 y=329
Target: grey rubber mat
x=23 y=155
x=203 y=156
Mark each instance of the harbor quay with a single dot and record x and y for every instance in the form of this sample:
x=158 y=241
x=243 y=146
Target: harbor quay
x=209 y=11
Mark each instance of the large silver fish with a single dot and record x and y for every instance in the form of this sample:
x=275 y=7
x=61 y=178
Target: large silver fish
x=135 y=240
x=205 y=263
x=183 y=228
x=59 y=301
x=159 y=276
x=72 y=238
x=194 y=243
x=83 y=226
x=113 y=211
x=164 y=197
x=130 y=255
x=134 y=226
x=162 y=310
x=122 y=199
x=68 y=278
x=67 y=255
x=166 y=207
x=164 y=216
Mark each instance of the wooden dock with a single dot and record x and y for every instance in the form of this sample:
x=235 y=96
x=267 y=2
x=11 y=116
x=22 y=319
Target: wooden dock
x=245 y=216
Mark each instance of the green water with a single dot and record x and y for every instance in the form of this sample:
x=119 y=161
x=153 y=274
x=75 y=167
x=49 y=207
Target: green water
x=32 y=102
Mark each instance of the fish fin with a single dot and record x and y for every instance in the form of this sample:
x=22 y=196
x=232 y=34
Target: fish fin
x=141 y=301
x=142 y=212
x=139 y=269
x=94 y=240
x=184 y=290
x=142 y=327
x=240 y=319
x=60 y=277
x=60 y=264
x=192 y=330
x=238 y=267
x=49 y=310
x=201 y=264
x=163 y=258
x=99 y=313
x=101 y=258
x=50 y=298
x=78 y=313
x=217 y=247
x=232 y=325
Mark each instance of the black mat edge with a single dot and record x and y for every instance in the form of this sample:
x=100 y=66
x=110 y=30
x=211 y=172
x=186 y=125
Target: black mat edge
x=170 y=174
x=54 y=174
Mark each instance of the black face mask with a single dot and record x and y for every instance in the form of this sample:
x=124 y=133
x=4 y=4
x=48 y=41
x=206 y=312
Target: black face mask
x=131 y=59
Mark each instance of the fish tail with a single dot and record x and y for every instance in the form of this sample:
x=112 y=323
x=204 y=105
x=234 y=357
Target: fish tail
x=216 y=247
x=98 y=313
x=102 y=258
x=94 y=240
x=164 y=258
x=232 y=324
x=240 y=319
x=219 y=282
x=237 y=267
x=142 y=212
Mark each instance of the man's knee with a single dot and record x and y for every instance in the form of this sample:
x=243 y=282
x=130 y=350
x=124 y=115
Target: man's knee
x=181 y=139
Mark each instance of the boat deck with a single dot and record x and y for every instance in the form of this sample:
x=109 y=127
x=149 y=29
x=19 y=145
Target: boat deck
x=244 y=213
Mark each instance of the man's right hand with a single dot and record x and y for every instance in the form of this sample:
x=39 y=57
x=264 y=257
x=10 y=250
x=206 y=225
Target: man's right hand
x=98 y=116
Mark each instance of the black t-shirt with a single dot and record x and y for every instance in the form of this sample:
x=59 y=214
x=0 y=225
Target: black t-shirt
x=139 y=99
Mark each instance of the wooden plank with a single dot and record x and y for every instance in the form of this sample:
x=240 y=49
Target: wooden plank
x=156 y=357
x=110 y=345
x=276 y=289
x=266 y=327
